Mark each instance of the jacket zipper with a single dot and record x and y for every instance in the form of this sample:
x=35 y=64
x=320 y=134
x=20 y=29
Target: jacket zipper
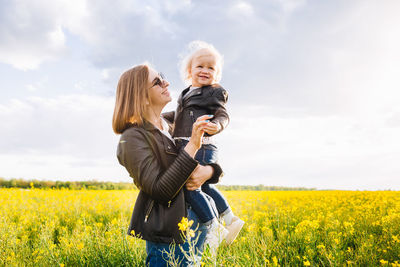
x=191 y=115
x=148 y=211
x=169 y=202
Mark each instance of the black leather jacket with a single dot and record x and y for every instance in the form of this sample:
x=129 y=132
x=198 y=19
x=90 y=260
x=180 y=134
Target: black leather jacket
x=160 y=171
x=209 y=100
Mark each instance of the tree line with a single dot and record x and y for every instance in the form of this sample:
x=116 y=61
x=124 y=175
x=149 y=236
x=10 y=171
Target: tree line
x=99 y=185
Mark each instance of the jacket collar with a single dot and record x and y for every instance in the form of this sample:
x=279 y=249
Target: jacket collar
x=195 y=92
x=148 y=126
x=180 y=98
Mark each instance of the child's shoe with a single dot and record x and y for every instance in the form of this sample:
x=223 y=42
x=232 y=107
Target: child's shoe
x=233 y=229
x=215 y=235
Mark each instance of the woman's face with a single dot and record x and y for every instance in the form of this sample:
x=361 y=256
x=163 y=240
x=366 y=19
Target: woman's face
x=158 y=89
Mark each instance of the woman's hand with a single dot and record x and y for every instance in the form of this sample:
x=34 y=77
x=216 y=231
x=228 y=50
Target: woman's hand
x=200 y=175
x=212 y=128
x=197 y=134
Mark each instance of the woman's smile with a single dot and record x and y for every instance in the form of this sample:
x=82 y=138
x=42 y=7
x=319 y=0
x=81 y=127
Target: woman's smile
x=166 y=92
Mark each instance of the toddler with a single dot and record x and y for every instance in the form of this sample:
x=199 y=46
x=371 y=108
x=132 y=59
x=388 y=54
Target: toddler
x=201 y=68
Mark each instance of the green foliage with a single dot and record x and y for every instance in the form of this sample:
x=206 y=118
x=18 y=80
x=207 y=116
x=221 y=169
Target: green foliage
x=74 y=185
x=98 y=185
x=260 y=187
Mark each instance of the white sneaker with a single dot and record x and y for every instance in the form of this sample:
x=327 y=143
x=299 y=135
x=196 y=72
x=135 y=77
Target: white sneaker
x=233 y=229
x=214 y=237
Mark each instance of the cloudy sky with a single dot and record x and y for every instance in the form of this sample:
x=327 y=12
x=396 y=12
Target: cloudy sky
x=314 y=86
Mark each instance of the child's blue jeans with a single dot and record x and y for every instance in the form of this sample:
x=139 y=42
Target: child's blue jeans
x=197 y=198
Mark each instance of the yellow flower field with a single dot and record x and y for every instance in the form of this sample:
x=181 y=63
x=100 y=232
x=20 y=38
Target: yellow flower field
x=283 y=228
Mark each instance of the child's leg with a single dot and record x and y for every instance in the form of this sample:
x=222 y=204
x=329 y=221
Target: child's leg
x=201 y=205
x=220 y=201
x=207 y=154
x=196 y=198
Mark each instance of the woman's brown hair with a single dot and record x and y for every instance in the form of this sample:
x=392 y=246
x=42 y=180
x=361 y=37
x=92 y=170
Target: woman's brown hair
x=130 y=102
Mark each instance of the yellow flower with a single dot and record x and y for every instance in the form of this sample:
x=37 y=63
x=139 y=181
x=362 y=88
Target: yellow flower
x=80 y=246
x=307 y=263
x=191 y=233
x=275 y=260
x=184 y=224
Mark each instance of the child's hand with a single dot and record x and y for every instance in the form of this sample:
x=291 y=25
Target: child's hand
x=212 y=128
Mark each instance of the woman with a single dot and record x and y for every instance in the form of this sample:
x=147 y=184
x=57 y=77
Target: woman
x=159 y=170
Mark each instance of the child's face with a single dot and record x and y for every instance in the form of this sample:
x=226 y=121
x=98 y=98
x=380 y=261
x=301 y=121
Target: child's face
x=203 y=69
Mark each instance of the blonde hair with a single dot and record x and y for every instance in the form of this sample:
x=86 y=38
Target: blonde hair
x=188 y=55
x=131 y=97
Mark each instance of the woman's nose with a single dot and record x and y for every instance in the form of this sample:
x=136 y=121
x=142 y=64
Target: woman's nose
x=165 y=83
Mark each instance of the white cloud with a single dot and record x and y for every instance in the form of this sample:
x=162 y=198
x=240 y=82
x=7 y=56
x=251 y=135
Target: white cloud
x=34 y=32
x=30 y=33
x=241 y=9
x=331 y=152
x=67 y=136
x=31 y=88
x=326 y=60
x=289 y=6
x=61 y=167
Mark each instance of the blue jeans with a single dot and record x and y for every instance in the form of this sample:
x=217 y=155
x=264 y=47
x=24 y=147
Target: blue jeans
x=198 y=198
x=157 y=252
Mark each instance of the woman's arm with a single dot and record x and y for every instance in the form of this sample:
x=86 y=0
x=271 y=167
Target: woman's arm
x=211 y=173
x=137 y=156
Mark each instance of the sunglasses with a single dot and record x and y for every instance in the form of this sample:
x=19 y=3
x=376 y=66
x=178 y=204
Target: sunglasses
x=160 y=80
